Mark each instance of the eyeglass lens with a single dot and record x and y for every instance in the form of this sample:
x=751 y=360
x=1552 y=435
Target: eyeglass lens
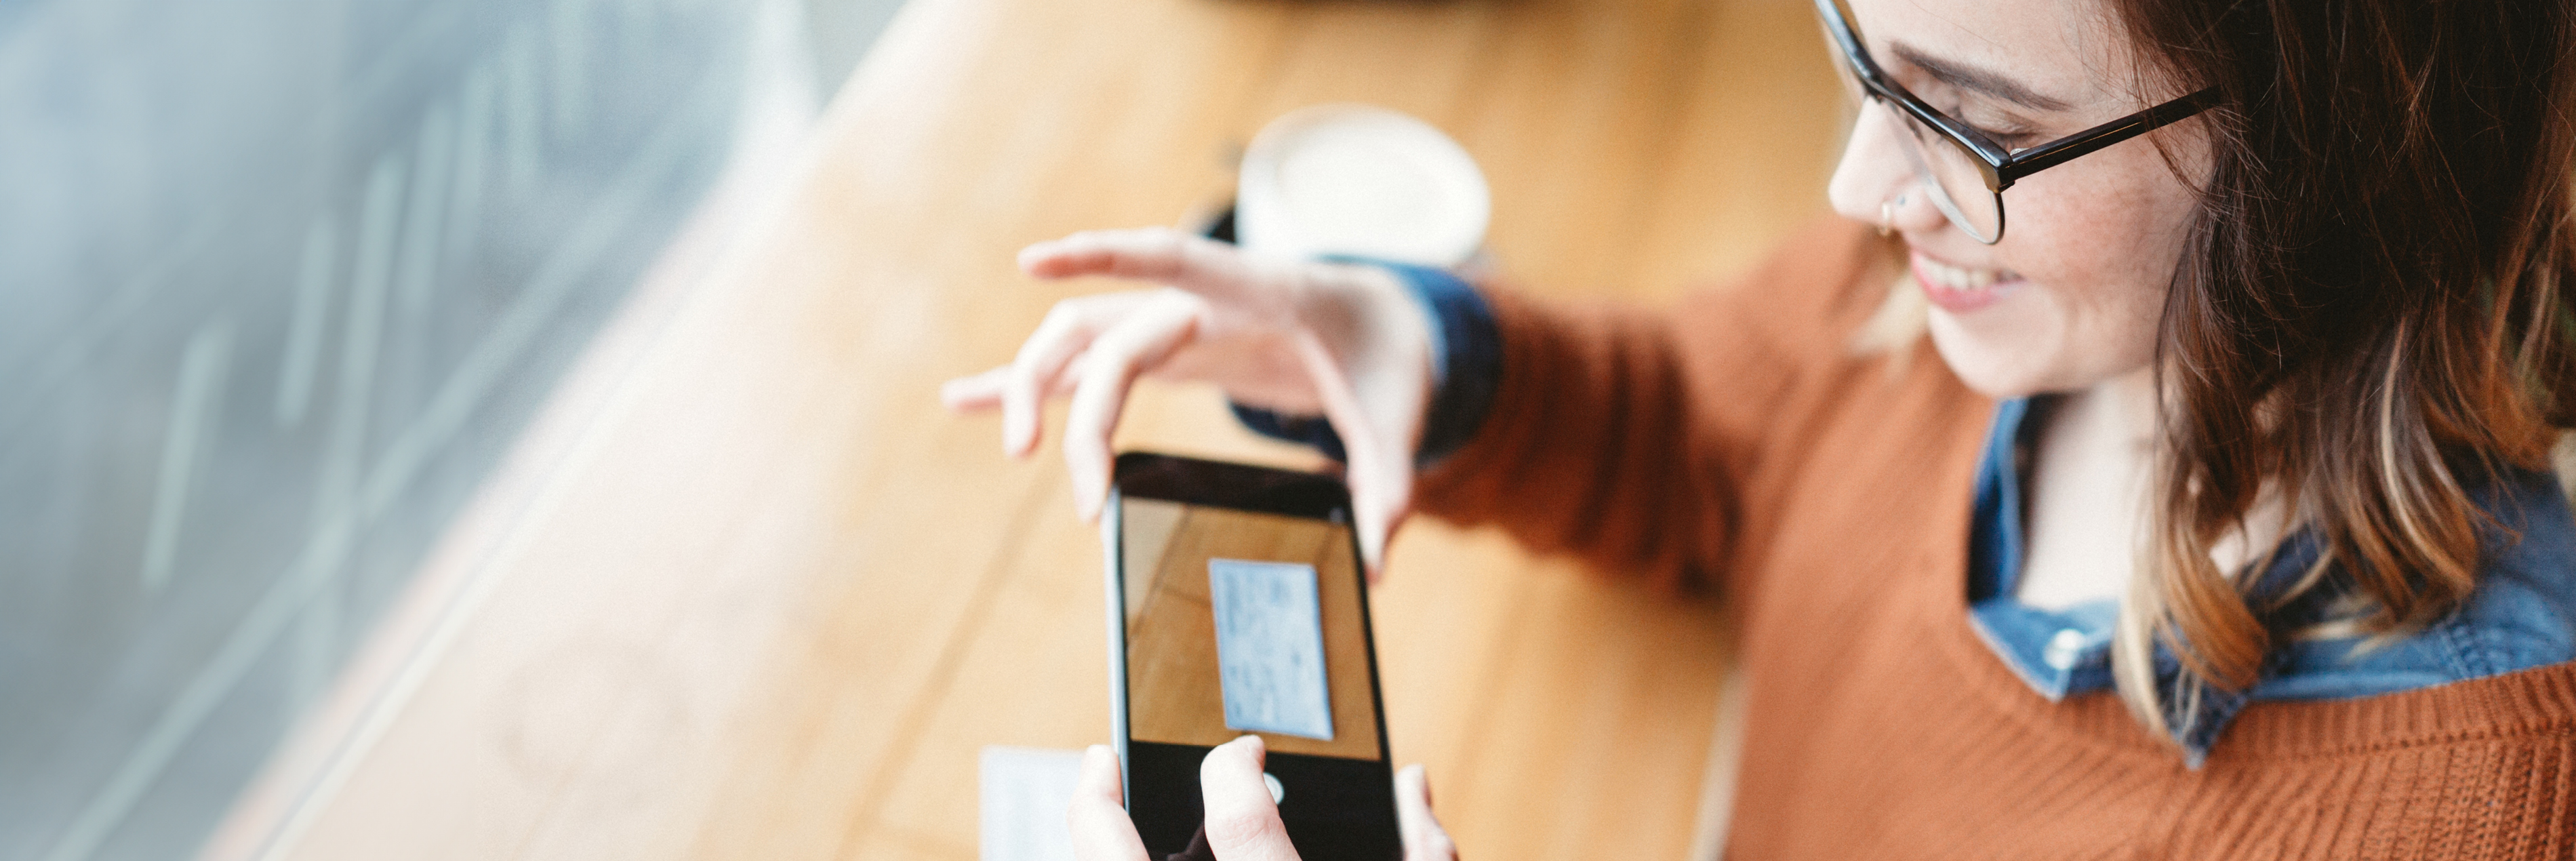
x=1951 y=174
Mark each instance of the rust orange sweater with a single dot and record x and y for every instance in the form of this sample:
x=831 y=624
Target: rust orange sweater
x=1738 y=443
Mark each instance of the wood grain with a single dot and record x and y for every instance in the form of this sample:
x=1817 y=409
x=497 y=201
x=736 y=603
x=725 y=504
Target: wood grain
x=761 y=598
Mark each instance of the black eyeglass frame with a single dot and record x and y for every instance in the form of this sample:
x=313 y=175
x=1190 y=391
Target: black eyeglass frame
x=2000 y=167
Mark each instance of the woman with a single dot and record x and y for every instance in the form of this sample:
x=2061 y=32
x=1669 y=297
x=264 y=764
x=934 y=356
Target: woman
x=2215 y=518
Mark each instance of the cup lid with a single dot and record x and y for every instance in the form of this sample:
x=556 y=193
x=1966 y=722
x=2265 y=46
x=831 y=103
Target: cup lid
x=1361 y=181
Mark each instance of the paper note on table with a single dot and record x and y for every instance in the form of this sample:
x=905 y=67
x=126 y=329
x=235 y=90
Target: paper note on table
x=1025 y=792
x=1270 y=647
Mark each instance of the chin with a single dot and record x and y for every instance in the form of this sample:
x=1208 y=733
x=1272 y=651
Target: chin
x=1993 y=363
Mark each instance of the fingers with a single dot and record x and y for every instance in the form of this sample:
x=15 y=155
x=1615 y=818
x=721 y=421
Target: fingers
x=1149 y=254
x=1036 y=372
x=1076 y=338
x=1058 y=339
x=1159 y=254
x=1242 y=821
x=1097 y=349
x=1097 y=817
x=974 y=391
x=1138 y=341
x=1424 y=839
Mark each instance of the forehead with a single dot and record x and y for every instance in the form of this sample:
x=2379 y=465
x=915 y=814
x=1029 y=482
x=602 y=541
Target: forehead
x=2063 y=48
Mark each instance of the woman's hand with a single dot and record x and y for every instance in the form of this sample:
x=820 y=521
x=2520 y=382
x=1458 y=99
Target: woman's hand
x=1346 y=342
x=1242 y=822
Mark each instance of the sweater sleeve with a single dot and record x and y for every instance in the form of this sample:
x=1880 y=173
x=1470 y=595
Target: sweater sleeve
x=1625 y=436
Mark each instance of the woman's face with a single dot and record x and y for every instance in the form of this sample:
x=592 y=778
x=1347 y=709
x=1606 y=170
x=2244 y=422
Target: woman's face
x=2071 y=295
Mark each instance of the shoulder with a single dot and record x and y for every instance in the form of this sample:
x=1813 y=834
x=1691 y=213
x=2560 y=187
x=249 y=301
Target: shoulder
x=2521 y=615
x=1813 y=292
x=2502 y=714
x=1826 y=331
x=2524 y=609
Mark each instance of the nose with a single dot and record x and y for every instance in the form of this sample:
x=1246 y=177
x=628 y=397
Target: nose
x=1874 y=172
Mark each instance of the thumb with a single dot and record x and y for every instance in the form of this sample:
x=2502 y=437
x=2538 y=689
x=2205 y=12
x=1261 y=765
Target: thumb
x=1097 y=815
x=1380 y=464
x=1242 y=821
x=1424 y=839
x=1379 y=504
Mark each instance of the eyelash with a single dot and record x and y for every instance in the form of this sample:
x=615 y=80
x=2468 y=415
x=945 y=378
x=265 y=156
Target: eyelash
x=2009 y=140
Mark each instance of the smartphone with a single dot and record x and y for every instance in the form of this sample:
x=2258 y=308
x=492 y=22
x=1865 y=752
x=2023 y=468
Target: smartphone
x=1237 y=605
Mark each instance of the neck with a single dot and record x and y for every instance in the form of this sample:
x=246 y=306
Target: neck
x=2127 y=404
x=2092 y=495
x=2091 y=472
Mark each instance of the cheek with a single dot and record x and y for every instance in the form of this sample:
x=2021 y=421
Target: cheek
x=2105 y=242
x=2097 y=248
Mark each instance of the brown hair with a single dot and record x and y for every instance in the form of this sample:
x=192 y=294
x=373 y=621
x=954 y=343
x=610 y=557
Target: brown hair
x=2374 y=312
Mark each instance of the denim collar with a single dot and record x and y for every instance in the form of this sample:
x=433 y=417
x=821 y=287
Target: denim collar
x=2522 y=613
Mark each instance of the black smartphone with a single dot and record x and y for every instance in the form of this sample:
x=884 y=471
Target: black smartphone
x=1237 y=604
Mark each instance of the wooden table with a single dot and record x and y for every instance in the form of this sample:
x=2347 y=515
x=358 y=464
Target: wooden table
x=746 y=592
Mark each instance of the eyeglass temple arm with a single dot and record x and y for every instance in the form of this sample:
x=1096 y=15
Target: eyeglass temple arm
x=2080 y=143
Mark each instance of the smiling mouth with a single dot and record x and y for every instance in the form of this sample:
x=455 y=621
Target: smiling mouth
x=1958 y=289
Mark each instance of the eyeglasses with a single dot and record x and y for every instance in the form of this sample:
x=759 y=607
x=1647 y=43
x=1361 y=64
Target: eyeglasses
x=1966 y=171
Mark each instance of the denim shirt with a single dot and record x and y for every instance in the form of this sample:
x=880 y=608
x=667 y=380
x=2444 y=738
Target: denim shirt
x=2522 y=614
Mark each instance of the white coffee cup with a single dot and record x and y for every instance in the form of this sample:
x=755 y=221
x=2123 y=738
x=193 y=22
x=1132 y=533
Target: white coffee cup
x=1360 y=181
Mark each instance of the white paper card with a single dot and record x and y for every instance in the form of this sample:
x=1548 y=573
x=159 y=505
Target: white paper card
x=1270 y=647
x=1025 y=793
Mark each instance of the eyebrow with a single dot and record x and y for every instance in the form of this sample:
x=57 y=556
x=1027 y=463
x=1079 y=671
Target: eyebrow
x=1972 y=78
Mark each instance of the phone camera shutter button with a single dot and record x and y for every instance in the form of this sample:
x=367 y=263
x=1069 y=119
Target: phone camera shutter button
x=1278 y=793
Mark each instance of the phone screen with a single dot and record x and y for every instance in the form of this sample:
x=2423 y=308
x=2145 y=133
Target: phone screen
x=1243 y=621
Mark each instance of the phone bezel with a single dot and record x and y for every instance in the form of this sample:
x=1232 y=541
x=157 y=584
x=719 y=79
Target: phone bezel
x=1242 y=487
